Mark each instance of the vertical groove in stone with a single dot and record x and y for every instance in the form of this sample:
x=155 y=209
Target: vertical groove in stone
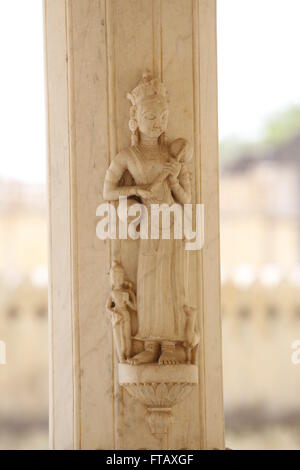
x=111 y=147
x=199 y=199
x=157 y=39
x=75 y=323
x=111 y=92
x=50 y=244
x=214 y=429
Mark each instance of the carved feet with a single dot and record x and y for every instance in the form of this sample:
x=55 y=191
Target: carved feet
x=150 y=355
x=168 y=358
x=145 y=357
x=168 y=354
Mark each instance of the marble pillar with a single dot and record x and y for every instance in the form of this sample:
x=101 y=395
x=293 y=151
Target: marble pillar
x=96 y=51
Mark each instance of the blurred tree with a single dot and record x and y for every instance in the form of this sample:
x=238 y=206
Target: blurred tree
x=282 y=126
x=232 y=148
x=279 y=128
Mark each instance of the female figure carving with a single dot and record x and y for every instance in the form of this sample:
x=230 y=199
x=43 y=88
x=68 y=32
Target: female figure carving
x=160 y=176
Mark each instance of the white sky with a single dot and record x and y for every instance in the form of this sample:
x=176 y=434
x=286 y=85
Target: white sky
x=259 y=66
x=259 y=74
x=22 y=115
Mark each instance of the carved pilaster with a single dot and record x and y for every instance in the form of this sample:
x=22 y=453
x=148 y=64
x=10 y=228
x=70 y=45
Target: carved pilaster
x=96 y=52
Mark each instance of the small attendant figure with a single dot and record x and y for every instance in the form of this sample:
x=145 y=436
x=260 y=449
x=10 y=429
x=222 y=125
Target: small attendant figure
x=120 y=299
x=192 y=337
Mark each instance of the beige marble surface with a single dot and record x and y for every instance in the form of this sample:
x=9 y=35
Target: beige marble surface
x=95 y=52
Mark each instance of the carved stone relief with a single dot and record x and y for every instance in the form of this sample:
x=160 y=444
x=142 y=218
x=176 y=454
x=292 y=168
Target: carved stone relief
x=155 y=328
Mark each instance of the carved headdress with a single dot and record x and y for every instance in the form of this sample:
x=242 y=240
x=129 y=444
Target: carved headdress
x=116 y=267
x=147 y=88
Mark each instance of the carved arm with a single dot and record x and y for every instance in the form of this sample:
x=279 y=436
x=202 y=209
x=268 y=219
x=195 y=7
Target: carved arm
x=108 y=305
x=181 y=187
x=132 y=297
x=111 y=189
x=131 y=304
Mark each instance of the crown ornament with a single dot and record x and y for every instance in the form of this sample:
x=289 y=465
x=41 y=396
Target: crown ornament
x=148 y=87
x=116 y=267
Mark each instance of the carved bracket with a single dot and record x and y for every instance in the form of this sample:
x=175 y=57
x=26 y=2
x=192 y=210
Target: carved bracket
x=159 y=388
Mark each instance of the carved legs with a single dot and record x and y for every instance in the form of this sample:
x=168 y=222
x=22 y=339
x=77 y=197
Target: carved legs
x=119 y=342
x=127 y=339
x=122 y=338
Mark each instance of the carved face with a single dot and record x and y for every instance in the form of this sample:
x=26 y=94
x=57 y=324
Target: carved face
x=117 y=278
x=152 y=116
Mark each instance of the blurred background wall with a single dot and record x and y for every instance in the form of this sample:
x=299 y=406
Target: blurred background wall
x=259 y=121
x=260 y=252
x=23 y=231
x=23 y=316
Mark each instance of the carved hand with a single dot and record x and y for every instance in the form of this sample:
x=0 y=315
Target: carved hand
x=116 y=318
x=132 y=305
x=144 y=192
x=109 y=312
x=128 y=284
x=174 y=168
x=181 y=150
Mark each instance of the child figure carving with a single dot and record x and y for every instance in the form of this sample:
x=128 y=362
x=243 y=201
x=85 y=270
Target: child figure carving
x=120 y=299
x=161 y=176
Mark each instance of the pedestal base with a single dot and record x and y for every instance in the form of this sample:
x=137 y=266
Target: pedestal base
x=158 y=374
x=158 y=388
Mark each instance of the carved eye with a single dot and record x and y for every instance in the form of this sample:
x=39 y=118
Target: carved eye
x=149 y=116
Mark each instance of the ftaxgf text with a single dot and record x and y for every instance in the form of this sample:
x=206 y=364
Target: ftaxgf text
x=155 y=459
